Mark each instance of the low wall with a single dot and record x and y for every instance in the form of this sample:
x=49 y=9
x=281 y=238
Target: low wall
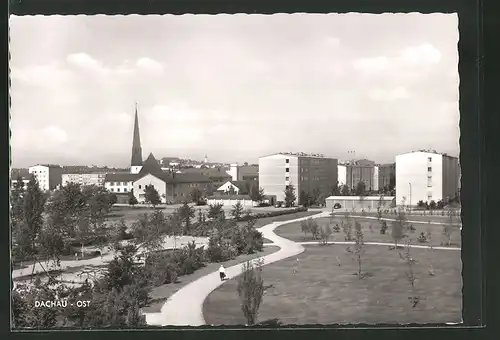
x=357 y=202
x=231 y=202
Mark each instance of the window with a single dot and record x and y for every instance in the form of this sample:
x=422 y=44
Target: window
x=287 y=178
x=117 y=189
x=287 y=161
x=429 y=159
x=287 y=170
x=123 y=183
x=286 y=187
x=125 y=190
x=429 y=168
x=139 y=186
x=429 y=198
x=112 y=189
x=111 y=183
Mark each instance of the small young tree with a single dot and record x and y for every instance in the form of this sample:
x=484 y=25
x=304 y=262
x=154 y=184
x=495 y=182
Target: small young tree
x=131 y=199
x=251 y=290
x=237 y=211
x=325 y=231
x=410 y=274
x=304 y=226
x=448 y=228
x=290 y=196
x=215 y=210
x=383 y=227
x=380 y=206
x=186 y=213
x=257 y=194
x=196 y=196
x=359 y=248
x=346 y=225
x=313 y=228
x=151 y=196
x=345 y=191
x=397 y=233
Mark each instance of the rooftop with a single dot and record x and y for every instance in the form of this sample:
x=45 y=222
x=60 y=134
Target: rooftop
x=299 y=154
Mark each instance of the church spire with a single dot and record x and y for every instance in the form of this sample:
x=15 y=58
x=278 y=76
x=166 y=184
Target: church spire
x=136 y=143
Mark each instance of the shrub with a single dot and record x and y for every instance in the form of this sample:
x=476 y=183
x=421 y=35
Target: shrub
x=336 y=228
x=264 y=204
x=422 y=238
x=383 y=227
x=412 y=228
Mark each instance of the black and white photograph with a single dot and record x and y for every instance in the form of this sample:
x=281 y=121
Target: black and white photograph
x=234 y=169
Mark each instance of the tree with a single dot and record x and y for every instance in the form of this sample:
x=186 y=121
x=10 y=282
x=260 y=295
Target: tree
x=315 y=196
x=304 y=198
x=30 y=225
x=305 y=227
x=196 y=196
x=346 y=225
x=186 y=213
x=397 y=233
x=151 y=195
x=257 y=194
x=132 y=200
x=149 y=230
x=448 y=228
x=325 y=231
x=359 y=248
x=432 y=205
x=215 y=210
x=345 y=191
x=380 y=205
x=251 y=290
x=290 y=196
x=237 y=210
x=360 y=188
x=410 y=274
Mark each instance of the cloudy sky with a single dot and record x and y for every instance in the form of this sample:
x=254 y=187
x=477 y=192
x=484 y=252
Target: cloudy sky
x=232 y=87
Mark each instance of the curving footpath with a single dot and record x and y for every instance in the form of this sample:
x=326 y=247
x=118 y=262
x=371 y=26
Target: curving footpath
x=185 y=307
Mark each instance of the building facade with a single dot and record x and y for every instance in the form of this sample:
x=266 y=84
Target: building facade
x=84 y=179
x=119 y=183
x=22 y=174
x=386 y=176
x=244 y=172
x=426 y=176
x=305 y=172
x=362 y=170
x=49 y=176
x=342 y=174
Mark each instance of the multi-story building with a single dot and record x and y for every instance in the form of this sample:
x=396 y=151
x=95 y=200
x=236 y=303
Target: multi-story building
x=120 y=183
x=342 y=174
x=84 y=179
x=305 y=172
x=244 y=172
x=386 y=176
x=217 y=176
x=361 y=171
x=426 y=176
x=47 y=175
x=22 y=174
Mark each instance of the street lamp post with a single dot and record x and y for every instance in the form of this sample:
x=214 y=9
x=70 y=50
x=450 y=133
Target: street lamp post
x=410 y=196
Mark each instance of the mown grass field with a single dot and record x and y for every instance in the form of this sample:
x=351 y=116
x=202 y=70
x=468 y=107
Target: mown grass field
x=293 y=231
x=322 y=292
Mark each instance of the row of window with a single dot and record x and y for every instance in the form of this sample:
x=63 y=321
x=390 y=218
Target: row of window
x=118 y=183
x=118 y=190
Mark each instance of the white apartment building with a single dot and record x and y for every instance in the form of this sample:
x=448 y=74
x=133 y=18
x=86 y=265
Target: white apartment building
x=342 y=174
x=426 y=176
x=84 y=179
x=48 y=176
x=119 y=183
x=375 y=181
x=305 y=172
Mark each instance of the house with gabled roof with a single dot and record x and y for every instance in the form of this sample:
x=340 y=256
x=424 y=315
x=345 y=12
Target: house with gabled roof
x=172 y=187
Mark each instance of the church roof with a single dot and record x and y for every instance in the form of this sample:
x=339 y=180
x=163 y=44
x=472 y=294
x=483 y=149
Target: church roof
x=136 y=143
x=150 y=166
x=120 y=177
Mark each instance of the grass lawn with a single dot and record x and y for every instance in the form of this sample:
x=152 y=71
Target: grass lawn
x=160 y=294
x=293 y=232
x=321 y=292
x=414 y=216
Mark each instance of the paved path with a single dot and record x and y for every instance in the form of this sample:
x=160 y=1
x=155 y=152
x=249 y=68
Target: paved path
x=185 y=307
x=107 y=257
x=379 y=244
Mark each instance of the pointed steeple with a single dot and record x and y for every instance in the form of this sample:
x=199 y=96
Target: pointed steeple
x=136 y=143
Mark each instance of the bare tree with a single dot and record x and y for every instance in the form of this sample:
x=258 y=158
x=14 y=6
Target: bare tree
x=448 y=228
x=325 y=231
x=359 y=248
x=251 y=289
x=410 y=274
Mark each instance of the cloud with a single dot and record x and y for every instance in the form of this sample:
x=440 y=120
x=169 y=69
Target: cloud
x=55 y=134
x=410 y=57
x=83 y=60
x=333 y=41
x=49 y=75
x=423 y=54
x=149 y=65
x=389 y=95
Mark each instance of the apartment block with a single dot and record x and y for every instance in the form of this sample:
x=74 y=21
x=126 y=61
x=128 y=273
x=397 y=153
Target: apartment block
x=305 y=172
x=426 y=176
x=49 y=176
